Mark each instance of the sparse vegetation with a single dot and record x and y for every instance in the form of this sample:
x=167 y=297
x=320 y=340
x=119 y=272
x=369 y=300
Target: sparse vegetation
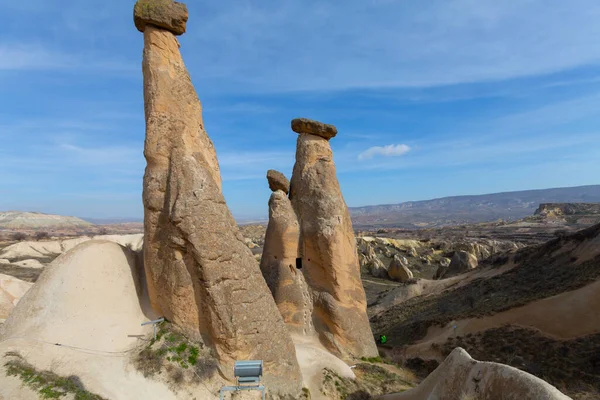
x=571 y=365
x=305 y=394
x=172 y=352
x=540 y=274
x=41 y=235
x=18 y=236
x=377 y=359
x=48 y=384
x=421 y=368
x=371 y=380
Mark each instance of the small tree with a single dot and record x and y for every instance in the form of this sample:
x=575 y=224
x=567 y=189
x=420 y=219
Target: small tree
x=41 y=235
x=19 y=236
x=102 y=231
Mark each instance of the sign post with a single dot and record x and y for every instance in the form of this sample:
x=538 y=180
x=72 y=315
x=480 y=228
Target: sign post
x=154 y=323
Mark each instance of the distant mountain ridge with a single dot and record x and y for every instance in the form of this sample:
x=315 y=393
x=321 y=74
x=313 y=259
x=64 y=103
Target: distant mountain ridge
x=445 y=211
x=470 y=208
x=35 y=220
x=107 y=221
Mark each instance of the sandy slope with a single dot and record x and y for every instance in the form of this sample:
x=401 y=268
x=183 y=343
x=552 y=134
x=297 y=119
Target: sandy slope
x=11 y=291
x=564 y=316
x=86 y=300
x=313 y=358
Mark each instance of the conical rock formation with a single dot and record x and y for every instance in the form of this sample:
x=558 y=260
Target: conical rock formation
x=278 y=265
x=398 y=270
x=328 y=246
x=200 y=273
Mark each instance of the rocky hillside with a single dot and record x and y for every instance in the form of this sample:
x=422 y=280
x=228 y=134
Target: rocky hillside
x=535 y=309
x=32 y=220
x=459 y=210
x=576 y=210
x=423 y=257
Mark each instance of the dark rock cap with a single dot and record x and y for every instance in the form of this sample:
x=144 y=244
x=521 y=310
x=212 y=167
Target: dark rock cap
x=305 y=125
x=166 y=14
x=278 y=181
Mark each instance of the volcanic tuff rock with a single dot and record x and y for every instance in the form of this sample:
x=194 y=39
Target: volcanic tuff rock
x=166 y=14
x=278 y=181
x=377 y=268
x=461 y=377
x=11 y=291
x=278 y=265
x=200 y=273
x=328 y=246
x=372 y=263
x=398 y=270
x=304 y=125
x=461 y=262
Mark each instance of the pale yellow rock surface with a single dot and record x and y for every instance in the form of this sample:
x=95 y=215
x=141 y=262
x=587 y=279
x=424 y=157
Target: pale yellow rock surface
x=52 y=248
x=89 y=297
x=32 y=263
x=11 y=291
x=43 y=249
x=91 y=301
x=313 y=359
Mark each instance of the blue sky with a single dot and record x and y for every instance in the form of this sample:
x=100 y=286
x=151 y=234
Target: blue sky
x=431 y=98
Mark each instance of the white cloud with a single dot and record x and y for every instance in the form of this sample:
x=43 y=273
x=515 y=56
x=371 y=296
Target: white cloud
x=267 y=46
x=391 y=150
x=109 y=155
x=28 y=56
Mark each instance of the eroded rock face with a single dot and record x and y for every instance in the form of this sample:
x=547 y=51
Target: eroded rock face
x=278 y=181
x=166 y=14
x=377 y=268
x=372 y=263
x=328 y=249
x=398 y=270
x=460 y=263
x=201 y=275
x=278 y=265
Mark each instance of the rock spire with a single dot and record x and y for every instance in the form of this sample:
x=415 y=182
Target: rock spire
x=200 y=274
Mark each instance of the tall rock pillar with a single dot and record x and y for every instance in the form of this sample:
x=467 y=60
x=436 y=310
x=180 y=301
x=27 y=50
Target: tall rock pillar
x=200 y=273
x=328 y=246
x=278 y=262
